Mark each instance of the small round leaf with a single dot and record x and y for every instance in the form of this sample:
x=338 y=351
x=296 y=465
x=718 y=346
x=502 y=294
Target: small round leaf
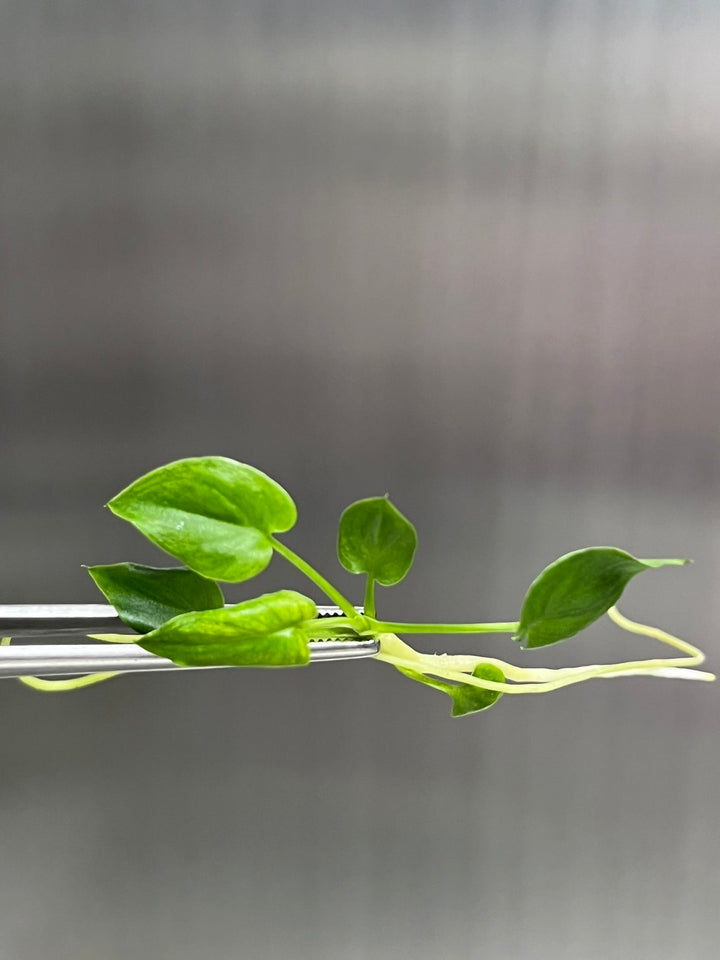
x=469 y=699
x=466 y=697
x=376 y=539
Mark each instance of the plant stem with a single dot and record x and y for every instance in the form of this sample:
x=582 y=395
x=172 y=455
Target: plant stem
x=317 y=578
x=696 y=656
x=61 y=686
x=369 y=605
x=638 y=668
x=399 y=654
x=383 y=626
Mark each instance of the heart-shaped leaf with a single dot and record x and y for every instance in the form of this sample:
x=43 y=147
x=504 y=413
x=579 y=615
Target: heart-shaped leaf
x=376 y=539
x=267 y=631
x=469 y=699
x=214 y=514
x=576 y=590
x=147 y=597
x=466 y=698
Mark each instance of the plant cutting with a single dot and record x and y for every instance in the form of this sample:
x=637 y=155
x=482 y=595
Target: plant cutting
x=222 y=520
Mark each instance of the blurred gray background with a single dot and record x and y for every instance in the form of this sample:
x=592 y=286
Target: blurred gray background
x=463 y=252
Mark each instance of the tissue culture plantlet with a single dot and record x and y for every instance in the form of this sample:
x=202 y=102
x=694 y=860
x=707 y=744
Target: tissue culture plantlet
x=221 y=518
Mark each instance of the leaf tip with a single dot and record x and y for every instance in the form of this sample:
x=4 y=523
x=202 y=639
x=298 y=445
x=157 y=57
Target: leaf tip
x=668 y=562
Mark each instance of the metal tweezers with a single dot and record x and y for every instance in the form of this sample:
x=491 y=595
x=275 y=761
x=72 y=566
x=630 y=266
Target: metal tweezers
x=66 y=621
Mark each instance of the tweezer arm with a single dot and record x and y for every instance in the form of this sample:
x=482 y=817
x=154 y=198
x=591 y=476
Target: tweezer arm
x=43 y=660
x=55 y=660
x=29 y=618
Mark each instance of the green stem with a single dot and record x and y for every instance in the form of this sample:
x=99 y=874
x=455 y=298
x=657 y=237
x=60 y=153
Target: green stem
x=696 y=656
x=383 y=626
x=534 y=687
x=369 y=605
x=456 y=668
x=317 y=578
x=61 y=686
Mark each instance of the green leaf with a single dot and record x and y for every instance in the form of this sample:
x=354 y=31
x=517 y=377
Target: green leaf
x=469 y=699
x=146 y=597
x=375 y=538
x=213 y=514
x=576 y=590
x=466 y=698
x=267 y=631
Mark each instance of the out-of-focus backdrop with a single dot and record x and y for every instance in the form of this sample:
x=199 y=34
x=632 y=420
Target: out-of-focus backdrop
x=463 y=252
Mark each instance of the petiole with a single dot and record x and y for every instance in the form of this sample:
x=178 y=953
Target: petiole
x=386 y=626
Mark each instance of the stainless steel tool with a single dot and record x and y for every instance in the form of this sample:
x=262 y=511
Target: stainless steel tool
x=30 y=624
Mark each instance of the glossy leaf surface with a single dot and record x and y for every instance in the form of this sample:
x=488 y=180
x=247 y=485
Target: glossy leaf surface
x=214 y=514
x=576 y=590
x=267 y=631
x=469 y=699
x=465 y=697
x=147 y=597
x=375 y=538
